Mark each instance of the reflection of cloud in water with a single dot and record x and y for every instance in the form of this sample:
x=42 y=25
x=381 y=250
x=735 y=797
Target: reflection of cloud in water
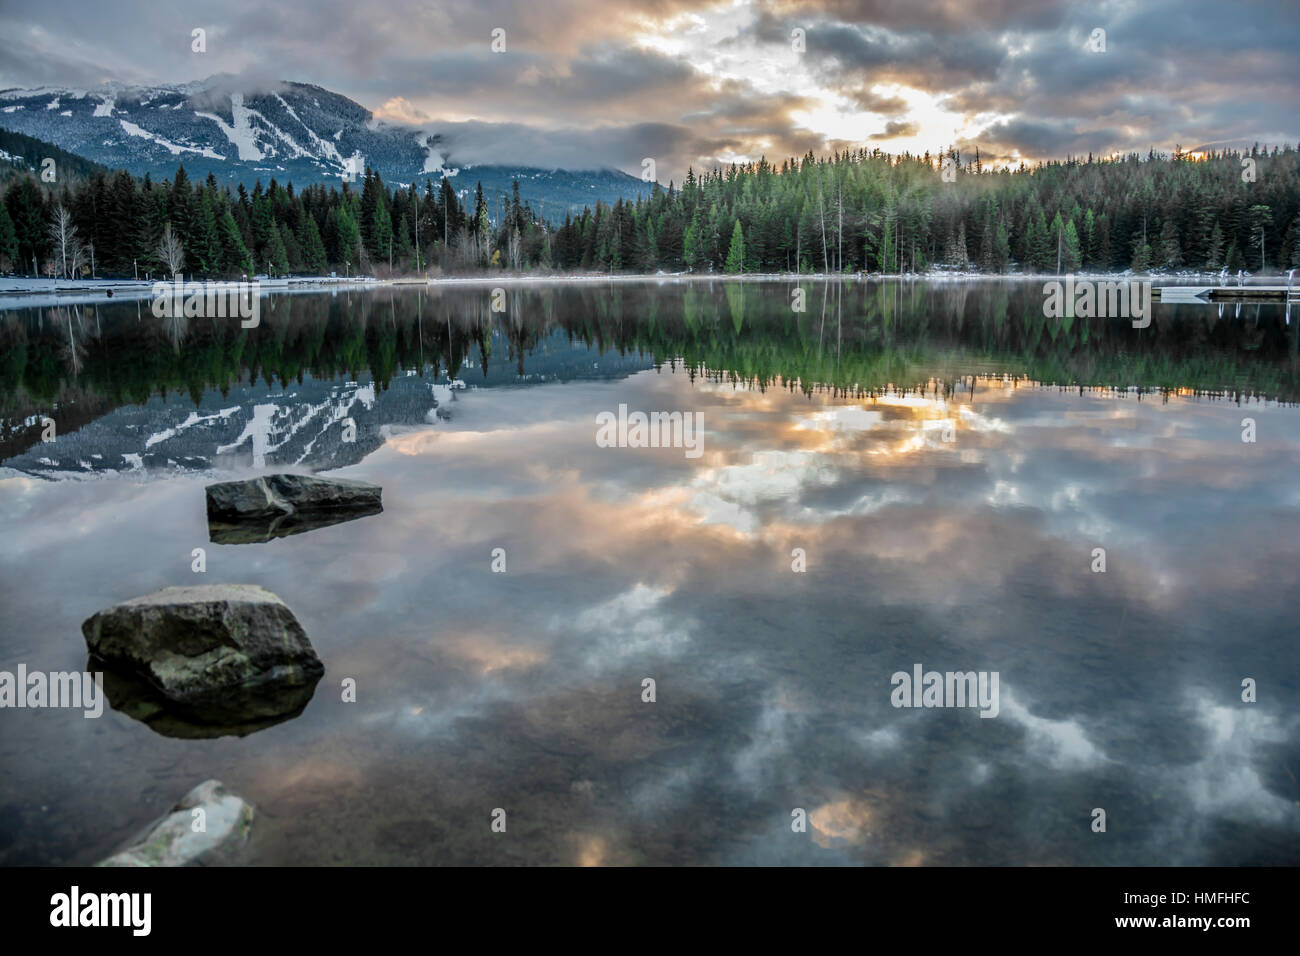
x=773 y=689
x=1061 y=744
x=770 y=741
x=489 y=654
x=630 y=626
x=1225 y=781
x=840 y=823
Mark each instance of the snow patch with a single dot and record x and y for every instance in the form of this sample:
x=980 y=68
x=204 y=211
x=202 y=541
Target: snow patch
x=241 y=134
x=133 y=130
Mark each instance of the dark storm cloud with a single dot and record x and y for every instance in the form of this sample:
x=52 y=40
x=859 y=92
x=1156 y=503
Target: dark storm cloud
x=920 y=60
x=1033 y=138
x=941 y=16
x=875 y=103
x=895 y=129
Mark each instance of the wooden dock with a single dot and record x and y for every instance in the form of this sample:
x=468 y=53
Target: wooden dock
x=1225 y=293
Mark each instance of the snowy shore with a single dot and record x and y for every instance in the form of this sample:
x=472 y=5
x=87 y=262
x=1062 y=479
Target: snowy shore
x=22 y=292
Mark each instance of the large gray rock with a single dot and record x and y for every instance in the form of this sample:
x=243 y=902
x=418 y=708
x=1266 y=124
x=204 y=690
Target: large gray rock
x=186 y=838
x=222 y=652
x=272 y=496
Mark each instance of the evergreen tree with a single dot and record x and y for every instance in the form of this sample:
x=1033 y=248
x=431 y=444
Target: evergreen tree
x=1141 y=261
x=736 y=253
x=277 y=259
x=1214 y=249
x=349 y=236
x=8 y=241
x=313 y=248
x=236 y=261
x=1071 y=253
x=1171 y=253
x=1001 y=249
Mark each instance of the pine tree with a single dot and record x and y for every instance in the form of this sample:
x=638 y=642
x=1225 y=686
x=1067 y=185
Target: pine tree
x=8 y=241
x=1088 y=239
x=1141 y=261
x=1214 y=248
x=1071 y=254
x=1170 y=252
x=381 y=232
x=1259 y=219
x=277 y=259
x=26 y=208
x=736 y=253
x=691 y=253
x=313 y=249
x=235 y=258
x=1001 y=248
x=205 y=242
x=349 y=241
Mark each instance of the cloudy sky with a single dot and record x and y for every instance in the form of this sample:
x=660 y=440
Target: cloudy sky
x=593 y=82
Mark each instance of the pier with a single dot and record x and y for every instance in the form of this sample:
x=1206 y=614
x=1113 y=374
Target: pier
x=1225 y=293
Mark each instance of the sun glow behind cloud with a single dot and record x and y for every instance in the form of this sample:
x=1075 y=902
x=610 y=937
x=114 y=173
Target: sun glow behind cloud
x=719 y=43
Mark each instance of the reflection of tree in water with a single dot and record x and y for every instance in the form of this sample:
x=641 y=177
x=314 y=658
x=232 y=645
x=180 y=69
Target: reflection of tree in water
x=853 y=338
x=72 y=332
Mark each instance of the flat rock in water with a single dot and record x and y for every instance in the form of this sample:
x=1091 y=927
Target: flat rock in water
x=220 y=650
x=272 y=496
x=177 y=840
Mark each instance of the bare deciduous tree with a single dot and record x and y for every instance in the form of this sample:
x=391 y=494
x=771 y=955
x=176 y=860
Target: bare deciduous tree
x=513 y=248
x=67 y=246
x=170 y=250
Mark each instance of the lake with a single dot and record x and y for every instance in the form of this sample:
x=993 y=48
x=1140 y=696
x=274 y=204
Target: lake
x=904 y=474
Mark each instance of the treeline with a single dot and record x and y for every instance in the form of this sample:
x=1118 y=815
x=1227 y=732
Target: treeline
x=852 y=212
x=115 y=225
x=871 y=212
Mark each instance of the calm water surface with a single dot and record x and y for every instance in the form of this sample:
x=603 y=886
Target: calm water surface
x=823 y=431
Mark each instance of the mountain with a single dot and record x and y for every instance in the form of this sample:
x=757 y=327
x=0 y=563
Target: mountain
x=295 y=133
x=20 y=154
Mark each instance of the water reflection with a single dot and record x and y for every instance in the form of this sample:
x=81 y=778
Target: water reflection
x=235 y=712
x=522 y=689
x=853 y=339
x=257 y=530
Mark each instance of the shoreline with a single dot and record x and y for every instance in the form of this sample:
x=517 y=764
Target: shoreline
x=18 y=292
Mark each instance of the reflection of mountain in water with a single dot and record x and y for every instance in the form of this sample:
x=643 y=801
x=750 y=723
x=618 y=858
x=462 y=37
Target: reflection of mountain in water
x=317 y=424
x=127 y=391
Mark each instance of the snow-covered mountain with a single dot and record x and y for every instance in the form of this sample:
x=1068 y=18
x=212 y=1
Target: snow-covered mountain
x=295 y=133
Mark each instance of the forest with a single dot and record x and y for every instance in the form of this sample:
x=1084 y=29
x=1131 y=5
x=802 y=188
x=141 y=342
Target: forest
x=855 y=211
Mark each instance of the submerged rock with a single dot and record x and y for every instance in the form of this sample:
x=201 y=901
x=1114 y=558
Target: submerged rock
x=185 y=837
x=272 y=496
x=218 y=655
